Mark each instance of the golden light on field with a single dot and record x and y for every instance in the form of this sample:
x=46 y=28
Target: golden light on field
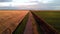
x=11 y=18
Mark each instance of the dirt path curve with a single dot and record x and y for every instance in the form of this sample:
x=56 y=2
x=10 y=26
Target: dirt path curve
x=28 y=29
x=9 y=19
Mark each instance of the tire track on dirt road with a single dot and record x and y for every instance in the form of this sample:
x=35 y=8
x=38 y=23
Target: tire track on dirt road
x=29 y=28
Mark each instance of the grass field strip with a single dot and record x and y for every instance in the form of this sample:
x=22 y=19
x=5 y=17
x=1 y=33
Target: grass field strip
x=46 y=28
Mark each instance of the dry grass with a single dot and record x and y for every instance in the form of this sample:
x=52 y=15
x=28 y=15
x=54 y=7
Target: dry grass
x=11 y=18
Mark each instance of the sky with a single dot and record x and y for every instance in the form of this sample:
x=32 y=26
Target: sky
x=30 y=4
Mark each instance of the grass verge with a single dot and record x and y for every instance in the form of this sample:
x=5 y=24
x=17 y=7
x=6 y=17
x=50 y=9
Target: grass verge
x=51 y=17
x=20 y=28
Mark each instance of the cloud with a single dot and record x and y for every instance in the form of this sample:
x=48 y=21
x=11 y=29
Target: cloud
x=5 y=0
x=52 y=5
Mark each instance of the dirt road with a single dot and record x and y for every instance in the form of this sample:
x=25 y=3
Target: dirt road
x=31 y=27
x=28 y=28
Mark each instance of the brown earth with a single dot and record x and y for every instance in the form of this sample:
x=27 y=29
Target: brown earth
x=28 y=28
x=31 y=27
x=34 y=25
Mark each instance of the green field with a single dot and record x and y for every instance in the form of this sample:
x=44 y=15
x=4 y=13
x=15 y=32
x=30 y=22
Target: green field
x=51 y=17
